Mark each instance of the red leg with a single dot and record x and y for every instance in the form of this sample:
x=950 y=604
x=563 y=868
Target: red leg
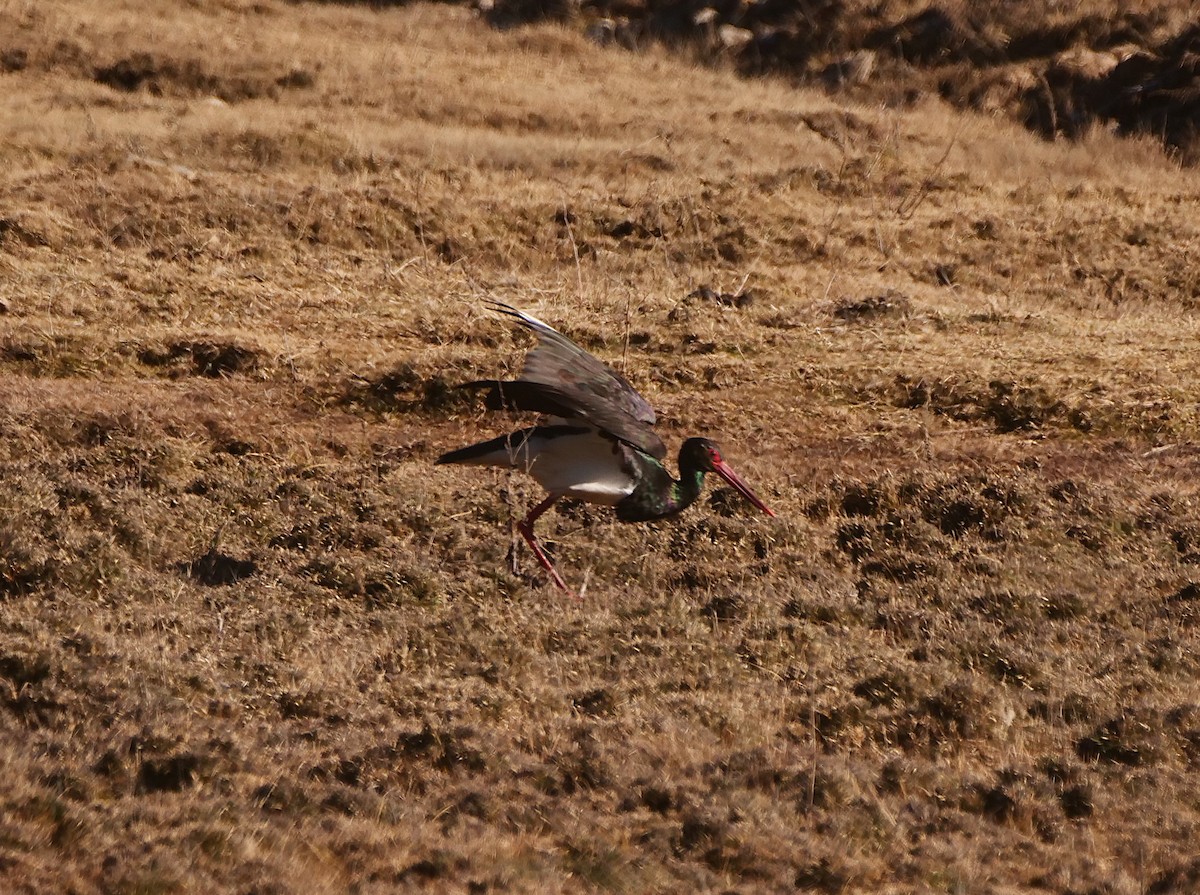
x=525 y=527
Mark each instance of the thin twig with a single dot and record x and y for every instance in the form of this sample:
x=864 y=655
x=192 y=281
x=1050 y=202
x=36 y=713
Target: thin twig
x=566 y=218
x=905 y=210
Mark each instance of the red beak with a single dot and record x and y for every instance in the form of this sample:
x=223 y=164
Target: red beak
x=721 y=468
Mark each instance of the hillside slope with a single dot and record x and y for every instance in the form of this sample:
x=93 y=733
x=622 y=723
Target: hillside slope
x=251 y=640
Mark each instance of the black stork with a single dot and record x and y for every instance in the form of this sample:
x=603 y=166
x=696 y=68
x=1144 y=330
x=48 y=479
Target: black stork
x=598 y=445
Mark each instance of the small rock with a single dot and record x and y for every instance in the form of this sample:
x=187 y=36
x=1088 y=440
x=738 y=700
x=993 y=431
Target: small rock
x=849 y=70
x=733 y=38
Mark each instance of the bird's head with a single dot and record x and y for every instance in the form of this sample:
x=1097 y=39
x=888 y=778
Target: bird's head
x=703 y=455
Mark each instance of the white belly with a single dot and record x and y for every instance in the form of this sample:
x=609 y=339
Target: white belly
x=586 y=466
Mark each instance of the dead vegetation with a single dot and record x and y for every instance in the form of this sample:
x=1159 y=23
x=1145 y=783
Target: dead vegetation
x=252 y=641
x=1061 y=72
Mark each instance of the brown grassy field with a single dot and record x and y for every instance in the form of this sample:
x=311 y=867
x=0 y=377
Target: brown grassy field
x=252 y=641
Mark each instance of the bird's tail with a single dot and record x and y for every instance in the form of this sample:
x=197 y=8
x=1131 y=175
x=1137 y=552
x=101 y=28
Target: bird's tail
x=500 y=451
x=516 y=450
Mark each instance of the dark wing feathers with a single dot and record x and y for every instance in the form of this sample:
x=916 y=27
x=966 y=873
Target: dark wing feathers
x=562 y=379
x=560 y=363
x=528 y=396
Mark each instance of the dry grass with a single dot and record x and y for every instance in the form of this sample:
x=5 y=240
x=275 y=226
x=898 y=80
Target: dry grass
x=251 y=641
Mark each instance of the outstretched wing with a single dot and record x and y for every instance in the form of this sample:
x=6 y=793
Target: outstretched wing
x=562 y=379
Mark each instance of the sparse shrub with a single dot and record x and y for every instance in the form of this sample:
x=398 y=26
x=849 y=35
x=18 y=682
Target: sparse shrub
x=863 y=500
x=1119 y=740
x=1064 y=605
x=1077 y=802
x=213 y=359
x=995 y=802
x=97 y=563
x=854 y=540
x=944 y=720
x=874 y=307
x=161 y=76
x=820 y=612
x=283 y=797
x=169 y=773
x=409 y=388
x=726 y=608
x=599 y=701
x=901 y=566
x=884 y=689
x=1008 y=406
x=25 y=565
x=214 y=568
x=25 y=669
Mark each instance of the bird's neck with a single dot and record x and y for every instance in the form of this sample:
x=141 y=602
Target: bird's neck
x=658 y=495
x=684 y=492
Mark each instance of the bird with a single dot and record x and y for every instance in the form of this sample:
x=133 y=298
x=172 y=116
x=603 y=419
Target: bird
x=596 y=443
